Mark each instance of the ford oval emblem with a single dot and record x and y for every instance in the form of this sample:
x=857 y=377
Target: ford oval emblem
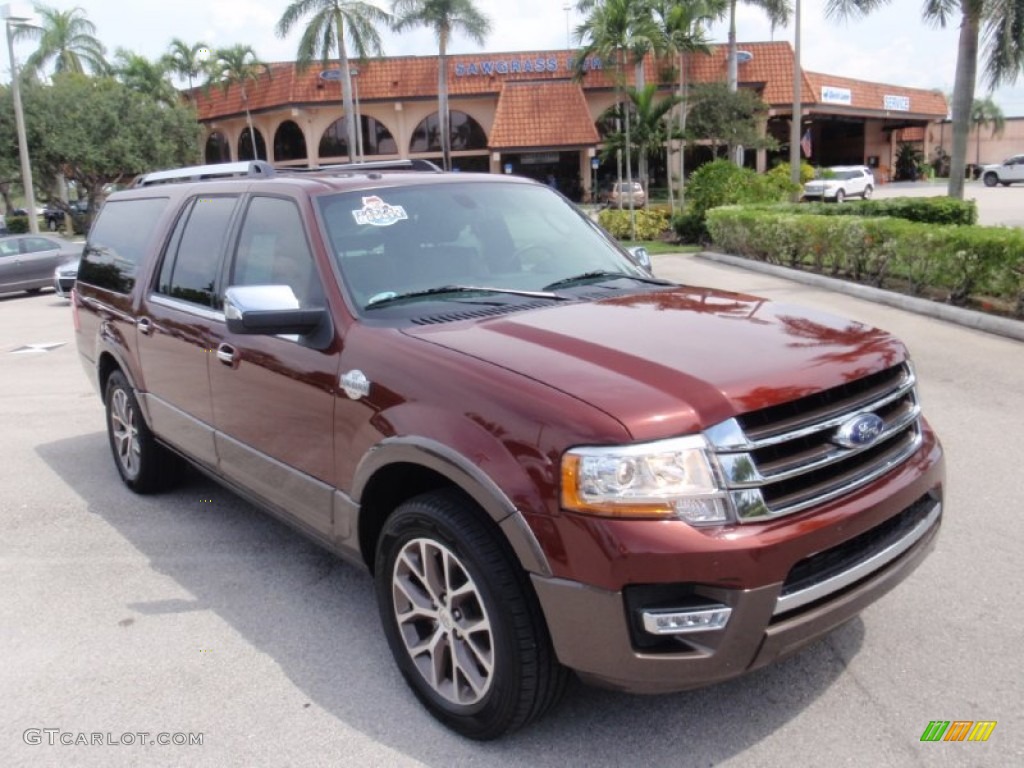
x=859 y=431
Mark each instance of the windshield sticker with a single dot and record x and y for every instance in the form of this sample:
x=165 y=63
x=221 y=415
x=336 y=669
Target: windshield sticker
x=377 y=213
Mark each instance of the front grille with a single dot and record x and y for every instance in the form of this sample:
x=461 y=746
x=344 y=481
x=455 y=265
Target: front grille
x=787 y=458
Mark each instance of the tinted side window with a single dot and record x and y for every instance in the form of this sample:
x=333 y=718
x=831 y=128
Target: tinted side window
x=118 y=241
x=272 y=250
x=192 y=261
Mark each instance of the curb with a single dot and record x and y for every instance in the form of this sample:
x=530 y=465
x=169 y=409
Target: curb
x=1000 y=326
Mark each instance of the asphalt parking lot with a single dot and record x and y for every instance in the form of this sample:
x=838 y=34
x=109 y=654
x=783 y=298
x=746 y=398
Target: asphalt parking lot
x=192 y=613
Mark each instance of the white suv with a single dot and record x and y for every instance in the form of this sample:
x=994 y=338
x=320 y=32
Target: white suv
x=1006 y=173
x=840 y=182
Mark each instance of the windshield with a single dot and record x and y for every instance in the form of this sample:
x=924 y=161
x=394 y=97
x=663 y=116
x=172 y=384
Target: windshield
x=391 y=242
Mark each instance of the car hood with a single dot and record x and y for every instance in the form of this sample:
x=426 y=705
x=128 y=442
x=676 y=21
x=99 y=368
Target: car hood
x=675 y=361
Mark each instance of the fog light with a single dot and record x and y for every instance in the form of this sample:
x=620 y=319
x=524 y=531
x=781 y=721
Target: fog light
x=681 y=622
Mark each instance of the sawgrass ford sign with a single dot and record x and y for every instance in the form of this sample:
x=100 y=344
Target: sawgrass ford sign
x=490 y=67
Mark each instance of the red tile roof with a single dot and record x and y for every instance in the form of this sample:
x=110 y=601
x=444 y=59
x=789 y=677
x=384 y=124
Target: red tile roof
x=770 y=70
x=524 y=116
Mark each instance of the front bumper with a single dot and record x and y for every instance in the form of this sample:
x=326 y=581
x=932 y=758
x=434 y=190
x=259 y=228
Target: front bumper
x=599 y=631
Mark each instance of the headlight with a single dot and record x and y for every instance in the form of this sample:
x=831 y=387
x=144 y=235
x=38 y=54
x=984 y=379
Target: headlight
x=669 y=478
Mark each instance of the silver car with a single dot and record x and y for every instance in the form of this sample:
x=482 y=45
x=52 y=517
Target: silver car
x=27 y=262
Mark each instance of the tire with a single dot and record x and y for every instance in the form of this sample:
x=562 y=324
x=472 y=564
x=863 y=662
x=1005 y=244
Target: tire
x=33 y=291
x=145 y=466
x=840 y=196
x=503 y=672
x=868 y=191
x=990 y=179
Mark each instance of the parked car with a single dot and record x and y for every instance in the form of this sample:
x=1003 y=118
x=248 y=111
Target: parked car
x=27 y=261
x=1008 y=172
x=54 y=213
x=64 y=277
x=548 y=458
x=840 y=182
x=618 y=194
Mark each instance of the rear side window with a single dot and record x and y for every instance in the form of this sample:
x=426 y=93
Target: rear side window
x=193 y=258
x=118 y=242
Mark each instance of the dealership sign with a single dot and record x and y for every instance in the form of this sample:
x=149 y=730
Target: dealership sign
x=896 y=103
x=490 y=67
x=832 y=95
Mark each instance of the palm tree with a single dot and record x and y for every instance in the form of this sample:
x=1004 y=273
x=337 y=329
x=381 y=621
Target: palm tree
x=335 y=23
x=985 y=113
x=187 y=61
x=621 y=30
x=67 y=38
x=445 y=17
x=778 y=14
x=236 y=66
x=145 y=76
x=683 y=23
x=1003 y=24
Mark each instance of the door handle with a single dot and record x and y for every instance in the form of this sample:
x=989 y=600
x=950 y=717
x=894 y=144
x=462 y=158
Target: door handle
x=145 y=326
x=226 y=354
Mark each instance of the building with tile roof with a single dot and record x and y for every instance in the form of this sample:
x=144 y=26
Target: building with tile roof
x=524 y=112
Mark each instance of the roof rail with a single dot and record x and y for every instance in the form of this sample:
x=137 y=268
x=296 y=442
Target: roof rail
x=252 y=168
x=374 y=165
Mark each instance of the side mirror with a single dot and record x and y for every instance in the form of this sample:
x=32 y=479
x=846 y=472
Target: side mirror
x=268 y=310
x=642 y=257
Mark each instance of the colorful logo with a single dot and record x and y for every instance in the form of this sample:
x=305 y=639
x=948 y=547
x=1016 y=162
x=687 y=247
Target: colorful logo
x=377 y=213
x=958 y=730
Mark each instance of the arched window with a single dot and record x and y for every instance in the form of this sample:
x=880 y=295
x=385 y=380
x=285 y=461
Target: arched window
x=289 y=142
x=466 y=133
x=377 y=139
x=245 y=145
x=217 y=148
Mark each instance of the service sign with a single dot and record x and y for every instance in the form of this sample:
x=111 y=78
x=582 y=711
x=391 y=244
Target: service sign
x=896 y=103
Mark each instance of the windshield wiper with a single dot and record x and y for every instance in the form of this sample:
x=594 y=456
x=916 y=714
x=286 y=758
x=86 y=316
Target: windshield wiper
x=391 y=298
x=603 y=275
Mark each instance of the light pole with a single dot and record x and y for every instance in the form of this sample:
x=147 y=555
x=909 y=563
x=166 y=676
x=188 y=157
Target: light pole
x=568 y=38
x=794 y=125
x=354 y=73
x=13 y=16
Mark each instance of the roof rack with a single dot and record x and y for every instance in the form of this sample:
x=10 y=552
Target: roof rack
x=251 y=168
x=264 y=170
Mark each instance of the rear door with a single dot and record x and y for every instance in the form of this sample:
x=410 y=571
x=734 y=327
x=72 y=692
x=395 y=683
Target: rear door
x=274 y=396
x=40 y=256
x=180 y=325
x=10 y=263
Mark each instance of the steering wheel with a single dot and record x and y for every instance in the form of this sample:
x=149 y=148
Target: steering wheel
x=536 y=258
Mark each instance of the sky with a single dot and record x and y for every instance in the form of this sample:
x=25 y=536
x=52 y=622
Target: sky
x=892 y=46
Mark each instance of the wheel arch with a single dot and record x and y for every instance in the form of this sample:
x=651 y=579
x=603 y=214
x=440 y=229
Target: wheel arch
x=399 y=468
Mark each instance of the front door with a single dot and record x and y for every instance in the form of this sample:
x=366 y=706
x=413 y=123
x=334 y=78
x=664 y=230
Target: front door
x=274 y=396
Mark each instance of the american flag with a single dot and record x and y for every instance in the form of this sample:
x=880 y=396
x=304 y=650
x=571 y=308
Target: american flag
x=805 y=143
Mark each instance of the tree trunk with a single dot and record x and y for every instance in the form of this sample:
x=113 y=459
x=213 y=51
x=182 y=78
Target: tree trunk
x=684 y=94
x=248 y=121
x=963 y=94
x=346 y=95
x=442 y=98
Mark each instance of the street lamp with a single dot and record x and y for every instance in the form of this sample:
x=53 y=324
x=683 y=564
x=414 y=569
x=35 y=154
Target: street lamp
x=354 y=73
x=15 y=15
x=568 y=39
x=794 y=123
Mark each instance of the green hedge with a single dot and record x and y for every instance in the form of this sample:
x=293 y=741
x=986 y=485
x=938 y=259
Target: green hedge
x=927 y=210
x=651 y=223
x=960 y=261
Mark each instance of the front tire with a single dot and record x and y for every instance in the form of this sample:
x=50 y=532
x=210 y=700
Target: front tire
x=840 y=196
x=868 y=191
x=145 y=466
x=990 y=179
x=461 y=620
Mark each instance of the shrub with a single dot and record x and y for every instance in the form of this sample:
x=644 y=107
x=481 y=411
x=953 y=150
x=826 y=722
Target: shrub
x=17 y=225
x=929 y=210
x=650 y=223
x=959 y=260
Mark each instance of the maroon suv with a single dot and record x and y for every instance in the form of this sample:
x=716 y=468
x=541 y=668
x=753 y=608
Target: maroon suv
x=550 y=459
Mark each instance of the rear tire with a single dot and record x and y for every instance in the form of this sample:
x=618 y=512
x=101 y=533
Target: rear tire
x=145 y=466
x=461 y=619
